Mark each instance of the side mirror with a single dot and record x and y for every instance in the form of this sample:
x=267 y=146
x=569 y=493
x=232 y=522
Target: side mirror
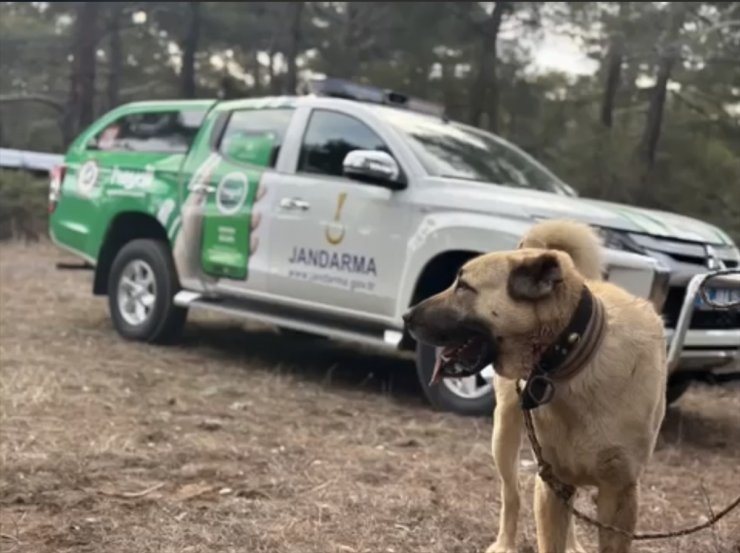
x=375 y=167
x=720 y=290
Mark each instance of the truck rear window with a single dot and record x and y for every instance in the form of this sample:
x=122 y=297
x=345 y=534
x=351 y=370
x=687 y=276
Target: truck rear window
x=252 y=132
x=167 y=132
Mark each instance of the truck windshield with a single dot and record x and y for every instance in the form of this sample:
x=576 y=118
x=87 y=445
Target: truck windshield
x=448 y=149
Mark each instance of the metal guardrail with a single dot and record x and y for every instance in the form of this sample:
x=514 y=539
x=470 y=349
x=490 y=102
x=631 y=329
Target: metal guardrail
x=29 y=160
x=694 y=290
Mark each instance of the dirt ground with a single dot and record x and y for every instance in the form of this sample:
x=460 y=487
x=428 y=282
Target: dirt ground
x=241 y=440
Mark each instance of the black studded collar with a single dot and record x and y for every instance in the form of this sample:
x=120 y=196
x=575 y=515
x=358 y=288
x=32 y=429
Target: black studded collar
x=569 y=353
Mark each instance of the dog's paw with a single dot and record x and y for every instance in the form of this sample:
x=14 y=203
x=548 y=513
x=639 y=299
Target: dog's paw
x=501 y=548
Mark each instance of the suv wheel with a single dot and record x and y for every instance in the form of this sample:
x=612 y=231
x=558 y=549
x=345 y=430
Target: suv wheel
x=141 y=289
x=470 y=396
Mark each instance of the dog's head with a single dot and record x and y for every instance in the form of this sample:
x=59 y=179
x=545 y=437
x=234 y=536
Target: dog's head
x=496 y=298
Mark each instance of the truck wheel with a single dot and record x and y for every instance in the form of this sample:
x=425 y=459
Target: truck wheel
x=471 y=396
x=677 y=386
x=141 y=287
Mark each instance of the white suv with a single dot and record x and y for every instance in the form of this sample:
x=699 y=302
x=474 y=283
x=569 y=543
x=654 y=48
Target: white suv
x=370 y=201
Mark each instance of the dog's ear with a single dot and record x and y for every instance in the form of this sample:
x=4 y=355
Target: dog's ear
x=534 y=278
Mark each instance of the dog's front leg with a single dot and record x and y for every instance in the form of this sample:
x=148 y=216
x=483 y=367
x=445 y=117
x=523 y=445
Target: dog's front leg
x=506 y=442
x=552 y=518
x=572 y=543
x=617 y=506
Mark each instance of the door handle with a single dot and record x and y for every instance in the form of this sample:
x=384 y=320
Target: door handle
x=203 y=188
x=294 y=204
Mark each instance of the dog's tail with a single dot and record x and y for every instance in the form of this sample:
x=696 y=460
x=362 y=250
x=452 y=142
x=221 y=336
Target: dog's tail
x=576 y=239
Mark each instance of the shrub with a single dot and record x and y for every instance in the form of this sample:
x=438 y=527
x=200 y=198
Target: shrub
x=23 y=205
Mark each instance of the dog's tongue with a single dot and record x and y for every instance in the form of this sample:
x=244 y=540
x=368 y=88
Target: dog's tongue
x=444 y=356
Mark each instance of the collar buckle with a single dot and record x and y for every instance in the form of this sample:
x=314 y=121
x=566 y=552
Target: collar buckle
x=538 y=390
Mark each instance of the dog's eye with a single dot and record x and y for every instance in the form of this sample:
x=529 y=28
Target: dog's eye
x=461 y=285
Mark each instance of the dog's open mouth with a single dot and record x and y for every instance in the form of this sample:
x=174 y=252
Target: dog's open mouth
x=462 y=359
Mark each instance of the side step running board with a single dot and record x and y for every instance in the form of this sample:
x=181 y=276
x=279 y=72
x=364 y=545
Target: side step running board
x=64 y=266
x=386 y=338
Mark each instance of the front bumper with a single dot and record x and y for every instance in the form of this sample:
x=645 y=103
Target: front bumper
x=692 y=345
x=700 y=350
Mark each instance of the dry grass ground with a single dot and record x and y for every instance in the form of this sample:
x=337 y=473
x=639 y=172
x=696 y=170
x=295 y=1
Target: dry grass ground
x=242 y=440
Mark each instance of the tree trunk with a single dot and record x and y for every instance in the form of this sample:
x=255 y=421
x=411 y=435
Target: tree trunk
x=115 y=53
x=189 y=48
x=485 y=81
x=493 y=100
x=670 y=53
x=448 y=84
x=256 y=72
x=271 y=72
x=294 y=43
x=229 y=90
x=347 y=60
x=654 y=121
x=86 y=54
x=272 y=86
x=615 y=59
x=613 y=76
x=81 y=100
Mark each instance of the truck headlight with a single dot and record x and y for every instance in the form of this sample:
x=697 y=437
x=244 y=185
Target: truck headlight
x=736 y=254
x=622 y=241
x=618 y=240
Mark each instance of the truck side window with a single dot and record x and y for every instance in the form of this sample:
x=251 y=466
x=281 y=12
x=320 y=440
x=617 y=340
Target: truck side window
x=255 y=136
x=167 y=132
x=330 y=136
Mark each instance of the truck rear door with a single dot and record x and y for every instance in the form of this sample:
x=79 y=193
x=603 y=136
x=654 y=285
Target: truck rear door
x=222 y=241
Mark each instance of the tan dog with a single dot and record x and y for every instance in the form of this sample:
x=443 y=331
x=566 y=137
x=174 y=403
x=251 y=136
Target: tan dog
x=598 y=421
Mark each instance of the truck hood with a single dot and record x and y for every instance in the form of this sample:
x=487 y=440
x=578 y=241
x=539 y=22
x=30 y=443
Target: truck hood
x=534 y=204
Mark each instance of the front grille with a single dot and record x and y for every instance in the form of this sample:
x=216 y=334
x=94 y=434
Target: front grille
x=690 y=253
x=695 y=260
x=701 y=320
x=690 y=259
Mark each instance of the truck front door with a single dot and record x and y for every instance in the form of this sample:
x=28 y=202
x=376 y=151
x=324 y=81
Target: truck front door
x=337 y=242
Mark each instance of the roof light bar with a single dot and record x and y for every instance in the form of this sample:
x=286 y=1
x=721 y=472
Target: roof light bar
x=341 y=88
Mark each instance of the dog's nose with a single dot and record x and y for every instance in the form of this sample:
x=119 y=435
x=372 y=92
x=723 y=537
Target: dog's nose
x=408 y=316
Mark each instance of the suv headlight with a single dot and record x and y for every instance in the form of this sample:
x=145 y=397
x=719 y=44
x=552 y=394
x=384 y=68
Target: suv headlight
x=736 y=253
x=618 y=240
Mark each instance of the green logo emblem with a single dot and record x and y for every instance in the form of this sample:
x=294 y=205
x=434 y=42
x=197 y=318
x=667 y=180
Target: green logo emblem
x=231 y=193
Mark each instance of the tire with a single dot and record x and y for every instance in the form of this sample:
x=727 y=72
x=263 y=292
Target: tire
x=443 y=396
x=141 y=288
x=677 y=387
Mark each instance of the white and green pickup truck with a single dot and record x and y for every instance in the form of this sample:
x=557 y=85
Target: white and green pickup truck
x=331 y=213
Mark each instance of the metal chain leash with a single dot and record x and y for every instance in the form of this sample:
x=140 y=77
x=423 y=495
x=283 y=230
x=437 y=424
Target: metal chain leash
x=565 y=493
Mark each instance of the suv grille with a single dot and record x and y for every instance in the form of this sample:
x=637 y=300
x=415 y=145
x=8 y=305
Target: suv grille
x=701 y=320
x=691 y=253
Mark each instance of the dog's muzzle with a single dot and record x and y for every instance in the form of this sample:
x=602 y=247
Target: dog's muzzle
x=464 y=346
